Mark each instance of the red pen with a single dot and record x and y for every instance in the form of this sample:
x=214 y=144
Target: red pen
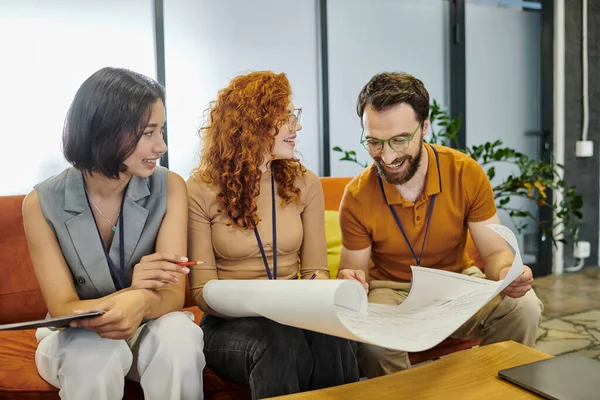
x=189 y=263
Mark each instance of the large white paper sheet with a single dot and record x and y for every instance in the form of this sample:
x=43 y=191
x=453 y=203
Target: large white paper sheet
x=439 y=302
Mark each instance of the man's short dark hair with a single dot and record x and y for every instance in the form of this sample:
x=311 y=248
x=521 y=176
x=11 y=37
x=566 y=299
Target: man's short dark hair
x=388 y=89
x=106 y=119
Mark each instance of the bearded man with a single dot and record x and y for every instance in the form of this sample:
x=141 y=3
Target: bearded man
x=416 y=205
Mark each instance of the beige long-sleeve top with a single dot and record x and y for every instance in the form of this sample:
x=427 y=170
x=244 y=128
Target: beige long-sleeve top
x=229 y=252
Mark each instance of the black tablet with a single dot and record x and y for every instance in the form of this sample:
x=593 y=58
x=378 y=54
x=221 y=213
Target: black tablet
x=60 y=322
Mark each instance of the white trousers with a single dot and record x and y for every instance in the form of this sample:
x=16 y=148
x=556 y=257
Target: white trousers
x=165 y=356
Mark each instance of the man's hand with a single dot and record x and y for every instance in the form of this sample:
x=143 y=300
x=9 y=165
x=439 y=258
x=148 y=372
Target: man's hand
x=123 y=315
x=156 y=271
x=354 y=274
x=519 y=286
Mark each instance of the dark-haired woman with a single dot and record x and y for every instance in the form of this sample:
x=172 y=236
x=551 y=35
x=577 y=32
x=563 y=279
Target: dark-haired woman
x=107 y=234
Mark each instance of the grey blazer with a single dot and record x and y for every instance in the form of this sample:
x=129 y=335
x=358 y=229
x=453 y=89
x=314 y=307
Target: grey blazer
x=66 y=210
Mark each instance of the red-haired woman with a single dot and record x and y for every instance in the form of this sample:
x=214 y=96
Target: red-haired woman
x=249 y=196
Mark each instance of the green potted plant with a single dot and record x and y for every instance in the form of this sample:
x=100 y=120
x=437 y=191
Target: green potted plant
x=532 y=181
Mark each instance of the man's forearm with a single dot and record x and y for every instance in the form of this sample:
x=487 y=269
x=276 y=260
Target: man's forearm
x=355 y=260
x=497 y=261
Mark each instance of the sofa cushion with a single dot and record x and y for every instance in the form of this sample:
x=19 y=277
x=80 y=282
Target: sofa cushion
x=20 y=296
x=334 y=241
x=18 y=372
x=19 y=377
x=333 y=190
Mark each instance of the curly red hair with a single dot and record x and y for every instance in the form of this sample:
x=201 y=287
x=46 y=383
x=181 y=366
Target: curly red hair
x=242 y=126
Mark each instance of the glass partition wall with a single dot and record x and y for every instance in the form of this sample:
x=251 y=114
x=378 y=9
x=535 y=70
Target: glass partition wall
x=487 y=54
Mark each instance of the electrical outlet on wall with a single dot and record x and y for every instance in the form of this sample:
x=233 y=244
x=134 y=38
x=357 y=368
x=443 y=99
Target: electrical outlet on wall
x=581 y=249
x=584 y=148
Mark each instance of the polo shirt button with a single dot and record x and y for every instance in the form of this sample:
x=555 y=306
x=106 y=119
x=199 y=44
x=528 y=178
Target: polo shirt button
x=81 y=280
x=418 y=217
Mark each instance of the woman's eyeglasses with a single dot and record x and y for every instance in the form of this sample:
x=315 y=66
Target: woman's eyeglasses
x=295 y=118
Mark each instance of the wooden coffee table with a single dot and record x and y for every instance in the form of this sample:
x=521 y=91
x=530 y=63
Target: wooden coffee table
x=468 y=374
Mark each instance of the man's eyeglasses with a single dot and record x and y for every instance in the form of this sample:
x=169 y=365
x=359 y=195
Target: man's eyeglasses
x=397 y=143
x=295 y=118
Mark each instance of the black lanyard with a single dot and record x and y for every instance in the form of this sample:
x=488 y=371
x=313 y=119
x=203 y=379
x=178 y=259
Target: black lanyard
x=430 y=212
x=118 y=274
x=260 y=245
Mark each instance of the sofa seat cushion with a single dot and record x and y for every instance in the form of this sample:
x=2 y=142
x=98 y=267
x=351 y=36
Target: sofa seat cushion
x=18 y=372
x=19 y=377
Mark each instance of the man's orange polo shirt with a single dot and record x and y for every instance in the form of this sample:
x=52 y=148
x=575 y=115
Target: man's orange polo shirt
x=465 y=195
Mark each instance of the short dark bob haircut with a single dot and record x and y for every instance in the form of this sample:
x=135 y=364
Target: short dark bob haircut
x=107 y=118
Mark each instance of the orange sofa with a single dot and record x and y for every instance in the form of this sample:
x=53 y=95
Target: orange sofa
x=21 y=300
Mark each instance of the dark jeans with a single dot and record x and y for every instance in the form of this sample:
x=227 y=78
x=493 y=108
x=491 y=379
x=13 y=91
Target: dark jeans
x=276 y=359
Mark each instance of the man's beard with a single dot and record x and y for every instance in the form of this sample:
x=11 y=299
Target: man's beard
x=400 y=178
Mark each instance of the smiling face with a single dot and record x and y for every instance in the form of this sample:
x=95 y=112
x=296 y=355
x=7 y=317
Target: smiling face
x=285 y=139
x=396 y=167
x=143 y=160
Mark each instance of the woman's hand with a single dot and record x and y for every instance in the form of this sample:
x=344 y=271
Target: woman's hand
x=123 y=315
x=157 y=271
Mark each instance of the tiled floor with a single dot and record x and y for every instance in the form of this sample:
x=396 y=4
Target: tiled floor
x=571 y=320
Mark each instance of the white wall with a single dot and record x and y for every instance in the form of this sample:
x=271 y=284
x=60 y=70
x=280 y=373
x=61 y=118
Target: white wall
x=48 y=48
x=209 y=42
x=503 y=86
x=367 y=37
x=53 y=46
